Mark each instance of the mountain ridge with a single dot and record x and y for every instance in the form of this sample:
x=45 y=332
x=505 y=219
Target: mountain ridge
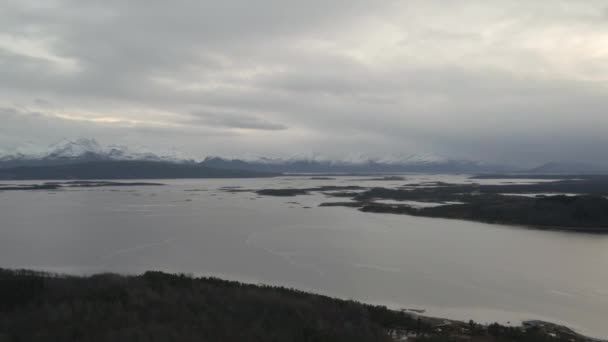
x=569 y=168
x=85 y=150
x=82 y=150
x=363 y=166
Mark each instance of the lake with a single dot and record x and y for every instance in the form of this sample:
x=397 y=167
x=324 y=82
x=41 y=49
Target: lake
x=450 y=268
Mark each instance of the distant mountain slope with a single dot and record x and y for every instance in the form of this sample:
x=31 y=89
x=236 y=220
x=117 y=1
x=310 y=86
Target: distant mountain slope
x=89 y=150
x=363 y=166
x=569 y=168
x=124 y=170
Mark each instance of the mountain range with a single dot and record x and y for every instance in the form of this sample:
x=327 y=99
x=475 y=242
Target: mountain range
x=569 y=168
x=81 y=150
x=55 y=161
x=362 y=166
x=84 y=150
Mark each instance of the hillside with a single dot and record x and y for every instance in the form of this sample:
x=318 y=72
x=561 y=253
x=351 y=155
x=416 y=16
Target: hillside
x=561 y=168
x=365 y=165
x=163 y=307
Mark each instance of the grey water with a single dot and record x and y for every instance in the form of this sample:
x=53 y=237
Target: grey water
x=450 y=268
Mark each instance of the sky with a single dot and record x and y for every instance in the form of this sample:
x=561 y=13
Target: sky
x=518 y=82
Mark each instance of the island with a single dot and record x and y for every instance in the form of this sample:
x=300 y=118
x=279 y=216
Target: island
x=577 y=204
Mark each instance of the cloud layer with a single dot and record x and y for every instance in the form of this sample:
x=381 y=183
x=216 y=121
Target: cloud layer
x=520 y=82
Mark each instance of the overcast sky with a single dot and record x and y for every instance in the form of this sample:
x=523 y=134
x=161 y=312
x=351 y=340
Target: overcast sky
x=507 y=81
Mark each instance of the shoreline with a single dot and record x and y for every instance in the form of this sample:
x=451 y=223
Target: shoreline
x=428 y=315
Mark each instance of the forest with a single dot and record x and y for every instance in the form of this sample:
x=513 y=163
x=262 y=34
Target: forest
x=156 y=306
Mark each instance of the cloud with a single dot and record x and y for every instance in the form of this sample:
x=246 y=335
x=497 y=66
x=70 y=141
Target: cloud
x=466 y=79
x=233 y=120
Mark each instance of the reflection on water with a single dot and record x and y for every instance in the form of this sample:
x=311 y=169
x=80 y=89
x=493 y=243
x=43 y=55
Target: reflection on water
x=453 y=268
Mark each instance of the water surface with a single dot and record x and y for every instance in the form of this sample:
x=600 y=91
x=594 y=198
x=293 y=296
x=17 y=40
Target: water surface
x=451 y=268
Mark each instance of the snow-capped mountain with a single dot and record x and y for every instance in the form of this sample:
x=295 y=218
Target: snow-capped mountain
x=319 y=164
x=81 y=147
x=89 y=150
x=78 y=150
x=351 y=159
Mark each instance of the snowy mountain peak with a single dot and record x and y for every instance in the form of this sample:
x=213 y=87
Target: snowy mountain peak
x=86 y=149
x=75 y=148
